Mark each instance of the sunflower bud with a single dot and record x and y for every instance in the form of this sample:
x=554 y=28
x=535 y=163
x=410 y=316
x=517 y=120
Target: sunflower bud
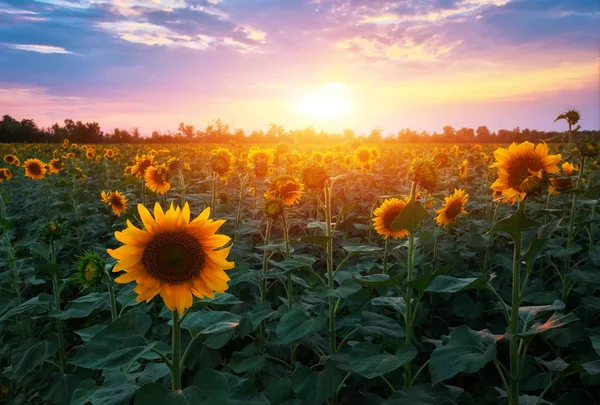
x=89 y=270
x=273 y=207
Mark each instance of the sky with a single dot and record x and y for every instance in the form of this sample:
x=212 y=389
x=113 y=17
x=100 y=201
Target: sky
x=330 y=64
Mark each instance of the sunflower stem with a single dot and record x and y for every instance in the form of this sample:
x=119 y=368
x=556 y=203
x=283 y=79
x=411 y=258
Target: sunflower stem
x=385 y=254
x=571 y=235
x=176 y=353
x=513 y=395
x=113 y=299
x=56 y=293
x=213 y=193
x=330 y=271
x=409 y=276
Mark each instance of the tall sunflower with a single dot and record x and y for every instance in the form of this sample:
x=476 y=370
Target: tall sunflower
x=522 y=169
x=173 y=257
x=385 y=215
x=35 y=169
x=454 y=205
x=286 y=187
x=115 y=200
x=424 y=171
x=157 y=179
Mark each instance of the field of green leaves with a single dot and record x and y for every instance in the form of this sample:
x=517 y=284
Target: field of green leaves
x=345 y=274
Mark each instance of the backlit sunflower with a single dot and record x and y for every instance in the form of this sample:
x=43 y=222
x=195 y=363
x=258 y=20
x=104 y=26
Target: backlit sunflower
x=462 y=169
x=12 y=160
x=522 y=169
x=286 y=187
x=5 y=174
x=561 y=184
x=35 y=169
x=157 y=179
x=314 y=176
x=454 y=205
x=362 y=156
x=273 y=207
x=115 y=200
x=173 y=257
x=55 y=166
x=424 y=172
x=221 y=162
x=385 y=215
x=141 y=164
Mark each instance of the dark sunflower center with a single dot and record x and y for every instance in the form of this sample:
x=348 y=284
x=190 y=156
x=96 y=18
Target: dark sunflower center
x=173 y=257
x=115 y=201
x=519 y=170
x=35 y=169
x=364 y=156
x=453 y=209
x=389 y=216
x=288 y=190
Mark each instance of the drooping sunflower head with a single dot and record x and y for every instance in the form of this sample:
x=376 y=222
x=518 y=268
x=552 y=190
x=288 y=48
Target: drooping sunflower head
x=462 y=169
x=221 y=162
x=286 y=187
x=116 y=201
x=424 y=172
x=35 y=169
x=157 y=179
x=55 y=166
x=89 y=270
x=363 y=156
x=385 y=214
x=173 y=257
x=454 y=205
x=273 y=207
x=5 y=174
x=314 y=176
x=523 y=169
x=442 y=160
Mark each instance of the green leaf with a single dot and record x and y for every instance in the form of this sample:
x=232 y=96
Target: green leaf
x=345 y=290
x=87 y=333
x=117 y=389
x=370 y=361
x=535 y=247
x=328 y=381
x=354 y=249
x=556 y=321
x=295 y=324
x=595 y=339
x=425 y=395
x=29 y=305
x=117 y=345
x=296 y=263
x=375 y=324
x=247 y=361
x=30 y=354
x=377 y=280
x=59 y=389
x=222 y=299
x=153 y=372
x=449 y=284
x=528 y=313
x=514 y=224
x=320 y=240
x=467 y=351
x=80 y=308
x=397 y=303
x=410 y=217
x=210 y=322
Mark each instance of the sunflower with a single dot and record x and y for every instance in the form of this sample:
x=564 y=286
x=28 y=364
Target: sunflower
x=286 y=187
x=220 y=162
x=362 y=156
x=55 y=166
x=317 y=157
x=259 y=161
x=109 y=154
x=173 y=257
x=157 y=179
x=522 y=169
x=385 y=215
x=12 y=160
x=141 y=164
x=65 y=142
x=89 y=154
x=314 y=176
x=561 y=184
x=424 y=172
x=116 y=200
x=462 y=169
x=454 y=205
x=89 y=270
x=273 y=207
x=5 y=174
x=35 y=169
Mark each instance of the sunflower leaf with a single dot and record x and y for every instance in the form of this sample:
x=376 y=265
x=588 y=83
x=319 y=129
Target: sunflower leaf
x=514 y=224
x=410 y=217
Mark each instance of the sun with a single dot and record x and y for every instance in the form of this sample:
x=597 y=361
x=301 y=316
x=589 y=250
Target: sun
x=324 y=105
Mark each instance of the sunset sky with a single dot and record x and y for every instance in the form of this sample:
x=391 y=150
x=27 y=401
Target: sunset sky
x=332 y=64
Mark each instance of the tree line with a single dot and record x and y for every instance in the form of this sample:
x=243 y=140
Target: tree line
x=26 y=130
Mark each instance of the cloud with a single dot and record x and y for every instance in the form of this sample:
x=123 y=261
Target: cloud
x=39 y=48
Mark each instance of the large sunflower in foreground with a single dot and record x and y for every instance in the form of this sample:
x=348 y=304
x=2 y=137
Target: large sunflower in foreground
x=454 y=205
x=173 y=257
x=521 y=169
x=115 y=200
x=385 y=215
x=35 y=169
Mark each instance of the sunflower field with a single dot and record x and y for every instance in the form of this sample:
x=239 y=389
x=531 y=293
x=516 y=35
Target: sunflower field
x=345 y=274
